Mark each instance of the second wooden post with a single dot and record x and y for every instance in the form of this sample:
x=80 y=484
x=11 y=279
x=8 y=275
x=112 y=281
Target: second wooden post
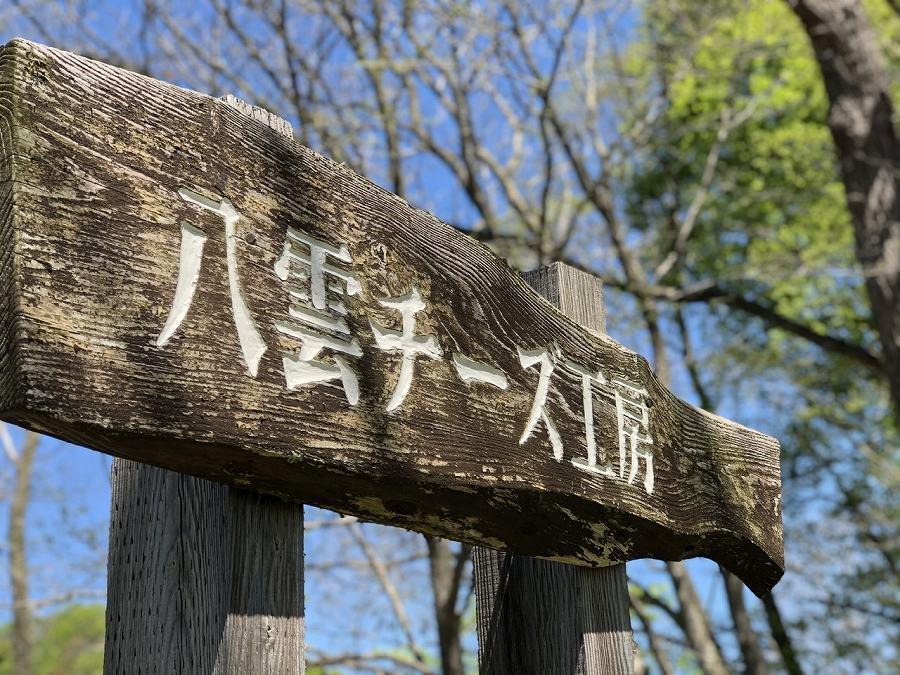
x=540 y=616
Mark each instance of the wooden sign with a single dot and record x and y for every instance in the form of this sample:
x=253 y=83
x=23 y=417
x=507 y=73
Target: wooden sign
x=184 y=286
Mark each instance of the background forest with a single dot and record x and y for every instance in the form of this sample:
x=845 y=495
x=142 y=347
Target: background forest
x=730 y=169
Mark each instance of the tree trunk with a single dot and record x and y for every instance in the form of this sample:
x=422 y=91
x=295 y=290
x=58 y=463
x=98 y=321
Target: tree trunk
x=782 y=639
x=860 y=117
x=445 y=583
x=696 y=625
x=754 y=661
x=18 y=566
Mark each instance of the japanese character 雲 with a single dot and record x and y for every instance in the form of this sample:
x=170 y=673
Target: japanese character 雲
x=310 y=268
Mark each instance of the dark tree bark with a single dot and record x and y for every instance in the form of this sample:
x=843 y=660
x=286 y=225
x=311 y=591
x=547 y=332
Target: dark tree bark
x=782 y=640
x=754 y=661
x=446 y=577
x=18 y=565
x=860 y=117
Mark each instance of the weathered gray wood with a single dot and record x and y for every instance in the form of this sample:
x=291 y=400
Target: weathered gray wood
x=161 y=574
x=541 y=616
x=264 y=629
x=576 y=294
x=202 y=578
x=249 y=547
x=112 y=177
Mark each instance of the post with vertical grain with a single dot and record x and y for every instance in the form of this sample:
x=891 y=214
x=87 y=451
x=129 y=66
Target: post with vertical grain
x=203 y=577
x=542 y=616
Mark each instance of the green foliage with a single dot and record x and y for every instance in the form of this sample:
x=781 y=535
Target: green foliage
x=69 y=642
x=744 y=90
x=742 y=87
x=775 y=210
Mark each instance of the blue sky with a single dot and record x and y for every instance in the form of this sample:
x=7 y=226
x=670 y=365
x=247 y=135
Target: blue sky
x=72 y=484
x=72 y=489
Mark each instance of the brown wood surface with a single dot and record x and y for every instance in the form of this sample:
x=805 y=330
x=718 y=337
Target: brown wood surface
x=581 y=614
x=247 y=618
x=94 y=162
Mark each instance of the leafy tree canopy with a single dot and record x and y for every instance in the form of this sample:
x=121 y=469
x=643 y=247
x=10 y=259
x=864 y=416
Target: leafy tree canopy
x=69 y=642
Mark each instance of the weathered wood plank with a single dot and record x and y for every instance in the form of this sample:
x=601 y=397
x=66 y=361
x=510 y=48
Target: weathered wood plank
x=122 y=186
x=150 y=581
x=551 y=617
x=581 y=615
x=264 y=629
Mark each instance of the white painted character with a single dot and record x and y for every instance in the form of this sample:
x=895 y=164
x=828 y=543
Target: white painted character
x=539 y=405
x=311 y=268
x=470 y=371
x=405 y=341
x=589 y=463
x=633 y=421
x=191 y=255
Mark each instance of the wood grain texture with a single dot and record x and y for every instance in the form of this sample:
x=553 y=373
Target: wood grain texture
x=582 y=615
x=94 y=161
x=167 y=597
x=250 y=622
x=264 y=629
x=202 y=578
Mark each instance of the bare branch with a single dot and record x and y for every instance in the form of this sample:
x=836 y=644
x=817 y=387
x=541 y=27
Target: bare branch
x=709 y=292
x=383 y=575
x=656 y=647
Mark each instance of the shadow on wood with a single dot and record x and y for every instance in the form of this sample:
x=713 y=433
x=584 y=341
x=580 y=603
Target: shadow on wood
x=203 y=578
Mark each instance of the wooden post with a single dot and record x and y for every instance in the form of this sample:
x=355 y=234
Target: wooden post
x=541 y=616
x=203 y=578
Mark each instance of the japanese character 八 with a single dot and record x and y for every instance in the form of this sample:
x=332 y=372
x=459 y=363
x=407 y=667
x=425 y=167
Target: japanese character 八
x=190 y=257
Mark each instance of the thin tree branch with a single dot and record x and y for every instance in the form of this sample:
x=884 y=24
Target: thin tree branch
x=710 y=292
x=780 y=635
x=656 y=648
x=381 y=573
